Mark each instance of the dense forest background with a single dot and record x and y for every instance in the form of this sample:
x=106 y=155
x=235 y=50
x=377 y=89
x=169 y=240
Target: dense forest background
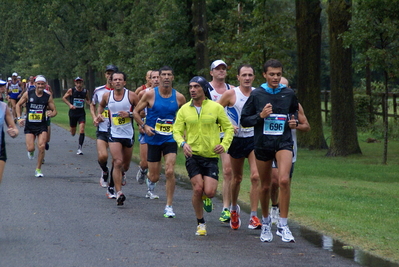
x=348 y=47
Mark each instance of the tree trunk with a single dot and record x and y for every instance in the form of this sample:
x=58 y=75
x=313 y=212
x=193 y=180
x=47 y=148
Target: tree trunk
x=343 y=119
x=385 y=117
x=368 y=91
x=200 y=30
x=308 y=28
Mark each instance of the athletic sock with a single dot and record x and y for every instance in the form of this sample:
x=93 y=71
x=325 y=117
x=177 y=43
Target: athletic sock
x=81 y=139
x=103 y=166
x=151 y=186
x=200 y=220
x=266 y=220
x=283 y=221
x=254 y=213
x=111 y=180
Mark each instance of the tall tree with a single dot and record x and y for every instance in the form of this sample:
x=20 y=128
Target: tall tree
x=200 y=30
x=343 y=118
x=308 y=29
x=375 y=36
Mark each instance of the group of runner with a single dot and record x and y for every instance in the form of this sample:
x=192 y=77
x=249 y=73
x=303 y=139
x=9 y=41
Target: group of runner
x=220 y=121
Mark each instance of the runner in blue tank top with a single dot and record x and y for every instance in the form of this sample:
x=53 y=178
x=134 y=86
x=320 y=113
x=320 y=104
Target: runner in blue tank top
x=162 y=104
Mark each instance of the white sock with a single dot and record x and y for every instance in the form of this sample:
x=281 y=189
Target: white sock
x=283 y=221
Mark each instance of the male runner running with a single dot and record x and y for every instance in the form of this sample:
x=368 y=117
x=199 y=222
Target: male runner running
x=162 y=104
x=75 y=99
x=38 y=104
x=120 y=103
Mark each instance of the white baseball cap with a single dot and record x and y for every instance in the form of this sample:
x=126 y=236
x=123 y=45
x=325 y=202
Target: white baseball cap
x=2 y=82
x=14 y=74
x=40 y=79
x=217 y=63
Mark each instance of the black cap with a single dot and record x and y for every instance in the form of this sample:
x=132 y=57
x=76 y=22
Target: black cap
x=111 y=67
x=204 y=84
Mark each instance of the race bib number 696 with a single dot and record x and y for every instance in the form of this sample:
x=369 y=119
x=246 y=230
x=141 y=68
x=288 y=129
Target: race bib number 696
x=274 y=124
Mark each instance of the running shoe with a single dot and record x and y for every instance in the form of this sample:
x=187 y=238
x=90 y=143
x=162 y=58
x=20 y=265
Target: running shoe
x=47 y=146
x=284 y=232
x=274 y=214
x=104 y=179
x=38 y=173
x=120 y=198
x=124 y=180
x=140 y=177
x=111 y=193
x=79 y=152
x=208 y=205
x=151 y=195
x=201 y=229
x=225 y=215
x=235 y=221
x=254 y=223
x=266 y=233
x=31 y=155
x=168 y=212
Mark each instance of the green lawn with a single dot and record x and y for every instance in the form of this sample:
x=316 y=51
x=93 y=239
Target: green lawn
x=354 y=199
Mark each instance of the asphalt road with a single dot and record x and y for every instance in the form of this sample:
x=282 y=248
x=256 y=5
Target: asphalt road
x=65 y=219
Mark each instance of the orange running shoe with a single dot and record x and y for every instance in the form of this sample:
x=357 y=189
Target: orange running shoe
x=235 y=221
x=254 y=223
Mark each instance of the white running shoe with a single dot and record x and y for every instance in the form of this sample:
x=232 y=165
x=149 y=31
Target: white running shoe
x=284 y=232
x=120 y=198
x=38 y=173
x=266 y=233
x=104 y=179
x=31 y=155
x=111 y=192
x=79 y=152
x=168 y=212
x=274 y=214
x=201 y=229
x=151 y=195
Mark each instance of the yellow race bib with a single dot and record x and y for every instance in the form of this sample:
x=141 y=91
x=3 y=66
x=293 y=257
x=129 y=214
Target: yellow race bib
x=164 y=126
x=117 y=120
x=35 y=115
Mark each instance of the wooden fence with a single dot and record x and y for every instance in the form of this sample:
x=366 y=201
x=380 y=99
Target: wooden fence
x=325 y=96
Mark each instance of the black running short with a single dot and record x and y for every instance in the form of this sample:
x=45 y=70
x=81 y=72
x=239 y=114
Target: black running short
x=36 y=130
x=155 y=152
x=126 y=142
x=73 y=120
x=265 y=154
x=104 y=136
x=200 y=165
x=241 y=147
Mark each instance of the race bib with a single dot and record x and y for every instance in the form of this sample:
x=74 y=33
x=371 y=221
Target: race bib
x=15 y=90
x=117 y=120
x=78 y=102
x=247 y=129
x=105 y=113
x=164 y=126
x=35 y=115
x=274 y=124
